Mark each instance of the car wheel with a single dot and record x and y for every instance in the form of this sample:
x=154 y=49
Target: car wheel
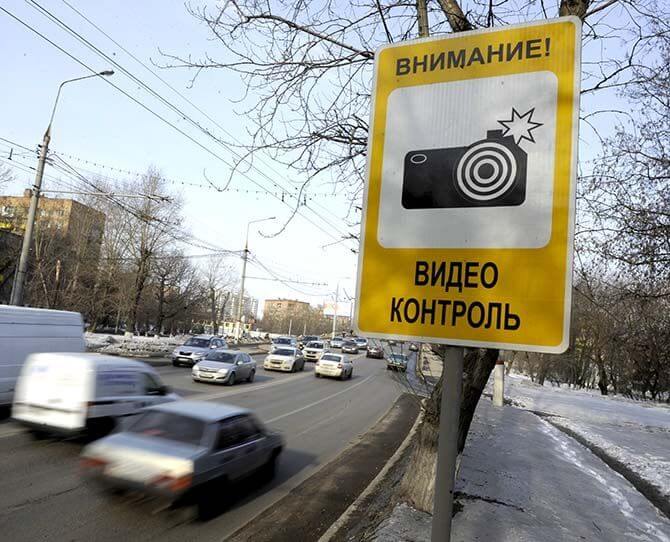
x=317 y=375
x=388 y=368
x=252 y=375
x=351 y=373
x=270 y=468
x=175 y=364
x=231 y=379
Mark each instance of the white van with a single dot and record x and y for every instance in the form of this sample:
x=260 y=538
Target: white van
x=66 y=393
x=25 y=331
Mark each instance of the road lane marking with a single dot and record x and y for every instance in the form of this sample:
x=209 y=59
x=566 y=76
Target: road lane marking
x=324 y=399
x=245 y=389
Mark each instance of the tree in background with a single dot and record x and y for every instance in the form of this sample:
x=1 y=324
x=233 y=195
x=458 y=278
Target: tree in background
x=308 y=73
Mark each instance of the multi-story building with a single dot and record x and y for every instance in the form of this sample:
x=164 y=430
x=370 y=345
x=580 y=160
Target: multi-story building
x=249 y=307
x=284 y=308
x=78 y=225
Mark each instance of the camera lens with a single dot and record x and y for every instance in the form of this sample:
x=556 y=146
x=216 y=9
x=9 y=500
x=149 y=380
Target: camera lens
x=486 y=171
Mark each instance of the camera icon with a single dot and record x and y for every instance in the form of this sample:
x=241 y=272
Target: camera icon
x=488 y=173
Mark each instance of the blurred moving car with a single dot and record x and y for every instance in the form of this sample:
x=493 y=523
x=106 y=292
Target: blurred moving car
x=314 y=350
x=285 y=359
x=25 y=331
x=336 y=342
x=307 y=339
x=186 y=452
x=413 y=347
x=279 y=342
x=397 y=362
x=70 y=393
x=195 y=349
x=225 y=367
x=374 y=352
x=335 y=365
x=362 y=342
x=349 y=347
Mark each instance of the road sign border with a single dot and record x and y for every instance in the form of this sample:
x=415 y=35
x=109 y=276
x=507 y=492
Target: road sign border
x=563 y=345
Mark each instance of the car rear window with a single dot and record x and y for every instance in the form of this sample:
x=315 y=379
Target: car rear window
x=200 y=343
x=169 y=426
x=399 y=357
x=223 y=357
x=284 y=352
x=330 y=357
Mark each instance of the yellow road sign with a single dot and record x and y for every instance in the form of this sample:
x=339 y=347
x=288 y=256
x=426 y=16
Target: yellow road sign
x=468 y=217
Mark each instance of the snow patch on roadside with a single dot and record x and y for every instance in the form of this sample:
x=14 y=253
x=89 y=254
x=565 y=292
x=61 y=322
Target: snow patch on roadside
x=650 y=467
x=569 y=452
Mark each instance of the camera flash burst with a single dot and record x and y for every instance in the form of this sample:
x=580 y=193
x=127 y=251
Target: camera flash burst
x=520 y=126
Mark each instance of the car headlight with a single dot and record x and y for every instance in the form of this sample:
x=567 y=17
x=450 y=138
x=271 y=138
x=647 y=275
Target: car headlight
x=223 y=371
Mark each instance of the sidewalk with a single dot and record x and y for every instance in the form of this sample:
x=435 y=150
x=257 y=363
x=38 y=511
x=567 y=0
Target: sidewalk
x=523 y=480
x=431 y=364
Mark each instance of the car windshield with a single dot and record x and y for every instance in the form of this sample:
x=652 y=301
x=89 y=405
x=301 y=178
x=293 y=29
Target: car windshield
x=309 y=338
x=282 y=340
x=284 y=352
x=195 y=341
x=360 y=340
x=169 y=426
x=399 y=357
x=222 y=357
x=314 y=344
x=329 y=357
x=350 y=343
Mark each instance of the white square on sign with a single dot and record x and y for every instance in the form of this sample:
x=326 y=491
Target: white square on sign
x=470 y=164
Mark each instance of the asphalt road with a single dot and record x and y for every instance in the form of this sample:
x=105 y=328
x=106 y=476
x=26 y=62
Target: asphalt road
x=43 y=498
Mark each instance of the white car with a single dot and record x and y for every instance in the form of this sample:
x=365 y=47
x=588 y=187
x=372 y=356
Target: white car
x=314 y=350
x=287 y=359
x=335 y=365
x=81 y=393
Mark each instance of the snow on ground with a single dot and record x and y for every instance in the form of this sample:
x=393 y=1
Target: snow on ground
x=137 y=346
x=140 y=346
x=648 y=458
x=635 y=433
x=523 y=480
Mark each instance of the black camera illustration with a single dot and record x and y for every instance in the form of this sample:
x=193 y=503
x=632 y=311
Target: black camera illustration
x=488 y=173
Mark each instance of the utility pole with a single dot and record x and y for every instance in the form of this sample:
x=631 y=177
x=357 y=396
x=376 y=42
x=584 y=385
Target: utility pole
x=499 y=383
x=337 y=295
x=240 y=301
x=16 y=297
x=290 y=326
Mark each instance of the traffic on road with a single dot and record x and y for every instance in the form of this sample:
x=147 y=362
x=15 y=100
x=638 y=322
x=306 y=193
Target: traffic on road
x=137 y=447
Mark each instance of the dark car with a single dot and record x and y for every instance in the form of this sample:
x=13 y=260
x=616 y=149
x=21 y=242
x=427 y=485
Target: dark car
x=306 y=339
x=397 y=362
x=374 y=352
x=349 y=347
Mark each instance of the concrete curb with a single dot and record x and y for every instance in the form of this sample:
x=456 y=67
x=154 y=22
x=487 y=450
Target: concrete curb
x=372 y=486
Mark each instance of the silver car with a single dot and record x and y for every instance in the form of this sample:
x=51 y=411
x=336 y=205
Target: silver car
x=195 y=349
x=186 y=452
x=225 y=367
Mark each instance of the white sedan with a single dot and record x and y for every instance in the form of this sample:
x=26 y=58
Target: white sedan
x=335 y=365
x=287 y=359
x=314 y=350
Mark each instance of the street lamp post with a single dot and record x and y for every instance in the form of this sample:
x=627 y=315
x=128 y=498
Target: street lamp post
x=240 y=301
x=16 y=297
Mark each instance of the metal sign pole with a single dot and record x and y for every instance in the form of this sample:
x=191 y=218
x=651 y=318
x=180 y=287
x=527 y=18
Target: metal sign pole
x=447 y=452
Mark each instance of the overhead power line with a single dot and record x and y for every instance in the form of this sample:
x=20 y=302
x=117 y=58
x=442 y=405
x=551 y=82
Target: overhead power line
x=174 y=108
